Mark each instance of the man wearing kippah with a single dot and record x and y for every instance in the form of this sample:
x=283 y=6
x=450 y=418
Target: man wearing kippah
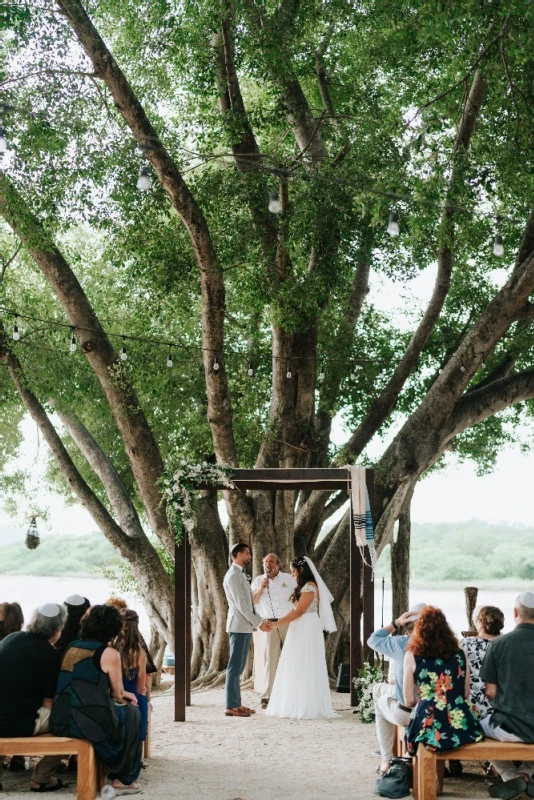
x=388 y=698
x=29 y=668
x=508 y=672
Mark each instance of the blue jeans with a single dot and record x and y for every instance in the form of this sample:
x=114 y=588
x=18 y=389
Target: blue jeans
x=239 y=647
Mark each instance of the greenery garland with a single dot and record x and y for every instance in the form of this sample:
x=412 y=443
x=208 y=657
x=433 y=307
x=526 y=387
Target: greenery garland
x=179 y=488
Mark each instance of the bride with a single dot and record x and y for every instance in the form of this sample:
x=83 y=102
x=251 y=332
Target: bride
x=301 y=689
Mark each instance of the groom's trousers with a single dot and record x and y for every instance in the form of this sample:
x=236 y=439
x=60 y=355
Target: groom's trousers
x=239 y=647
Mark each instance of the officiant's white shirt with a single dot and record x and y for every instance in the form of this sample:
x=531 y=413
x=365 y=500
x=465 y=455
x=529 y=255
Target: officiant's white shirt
x=275 y=602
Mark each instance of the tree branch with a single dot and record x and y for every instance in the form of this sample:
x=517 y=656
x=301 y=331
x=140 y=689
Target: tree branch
x=384 y=404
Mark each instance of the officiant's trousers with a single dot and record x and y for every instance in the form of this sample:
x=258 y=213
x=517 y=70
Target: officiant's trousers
x=239 y=647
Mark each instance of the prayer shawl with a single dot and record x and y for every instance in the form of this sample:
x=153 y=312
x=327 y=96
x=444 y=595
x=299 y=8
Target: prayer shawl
x=361 y=513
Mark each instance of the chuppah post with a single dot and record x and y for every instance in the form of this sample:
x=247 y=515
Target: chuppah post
x=355 y=612
x=188 y=611
x=368 y=583
x=180 y=650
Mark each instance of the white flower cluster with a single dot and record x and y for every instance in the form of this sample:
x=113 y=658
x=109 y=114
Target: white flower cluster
x=179 y=487
x=367 y=677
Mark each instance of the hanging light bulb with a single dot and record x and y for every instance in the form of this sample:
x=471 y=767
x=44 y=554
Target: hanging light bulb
x=169 y=359
x=322 y=374
x=3 y=140
x=289 y=374
x=462 y=368
x=275 y=206
x=352 y=372
x=216 y=365
x=124 y=354
x=250 y=370
x=393 y=224
x=72 y=345
x=16 y=334
x=143 y=181
x=498 y=246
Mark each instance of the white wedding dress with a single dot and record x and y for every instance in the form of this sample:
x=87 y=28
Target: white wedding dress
x=301 y=689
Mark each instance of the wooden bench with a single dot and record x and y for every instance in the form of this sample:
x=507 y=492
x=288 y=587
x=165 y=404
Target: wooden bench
x=426 y=763
x=90 y=776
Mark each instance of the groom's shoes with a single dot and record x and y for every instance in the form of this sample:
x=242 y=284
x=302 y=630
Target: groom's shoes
x=237 y=712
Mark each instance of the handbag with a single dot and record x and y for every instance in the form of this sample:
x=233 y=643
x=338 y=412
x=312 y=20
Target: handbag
x=397 y=781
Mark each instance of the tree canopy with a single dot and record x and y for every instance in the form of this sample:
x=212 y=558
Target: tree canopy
x=273 y=321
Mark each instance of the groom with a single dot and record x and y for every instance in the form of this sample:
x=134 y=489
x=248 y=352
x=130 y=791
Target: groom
x=242 y=620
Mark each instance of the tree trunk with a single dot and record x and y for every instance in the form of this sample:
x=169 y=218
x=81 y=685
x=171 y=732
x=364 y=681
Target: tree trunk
x=209 y=564
x=400 y=564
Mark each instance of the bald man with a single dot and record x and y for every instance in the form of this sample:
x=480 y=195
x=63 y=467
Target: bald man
x=271 y=592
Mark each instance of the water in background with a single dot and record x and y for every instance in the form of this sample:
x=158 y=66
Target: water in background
x=452 y=603
x=33 y=591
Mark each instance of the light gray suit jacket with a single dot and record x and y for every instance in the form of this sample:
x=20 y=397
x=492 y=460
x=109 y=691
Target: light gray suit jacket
x=241 y=615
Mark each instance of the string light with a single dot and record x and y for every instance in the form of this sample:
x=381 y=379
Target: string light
x=124 y=354
x=352 y=372
x=289 y=374
x=393 y=224
x=275 y=206
x=498 y=246
x=16 y=334
x=322 y=374
x=169 y=359
x=216 y=365
x=3 y=140
x=72 y=345
x=250 y=370
x=144 y=182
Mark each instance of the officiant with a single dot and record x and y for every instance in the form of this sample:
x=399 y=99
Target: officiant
x=271 y=592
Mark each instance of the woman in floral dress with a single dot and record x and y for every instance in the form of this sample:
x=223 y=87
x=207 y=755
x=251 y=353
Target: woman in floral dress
x=436 y=682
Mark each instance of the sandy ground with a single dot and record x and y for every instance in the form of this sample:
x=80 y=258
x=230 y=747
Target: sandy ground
x=213 y=757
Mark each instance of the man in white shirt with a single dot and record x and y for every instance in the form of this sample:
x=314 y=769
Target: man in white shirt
x=271 y=592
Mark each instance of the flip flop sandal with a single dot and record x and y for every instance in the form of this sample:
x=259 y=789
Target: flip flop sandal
x=250 y=710
x=44 y=788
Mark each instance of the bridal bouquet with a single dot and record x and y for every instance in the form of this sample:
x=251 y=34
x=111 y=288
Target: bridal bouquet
x=367 y=676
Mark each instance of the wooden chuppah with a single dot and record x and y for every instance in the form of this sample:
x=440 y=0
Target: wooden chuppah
x=361 y=604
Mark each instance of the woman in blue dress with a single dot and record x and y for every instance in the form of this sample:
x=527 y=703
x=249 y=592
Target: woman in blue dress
x=91 y=702
x=134 y=663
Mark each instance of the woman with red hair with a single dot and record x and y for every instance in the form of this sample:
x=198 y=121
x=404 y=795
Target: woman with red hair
x=436 y=682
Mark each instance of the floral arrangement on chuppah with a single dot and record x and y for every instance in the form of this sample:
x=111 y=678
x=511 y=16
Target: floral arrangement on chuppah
x=180 y=486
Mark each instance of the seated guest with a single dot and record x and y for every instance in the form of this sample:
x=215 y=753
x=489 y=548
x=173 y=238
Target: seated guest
x=11 y=619
x=133 y=661
x=508 y=672
x=489 y=622
x=388 y=699
x=90 y=701
x=436 y=682
x=76 y=607
x=120 y=604
x=29 y=667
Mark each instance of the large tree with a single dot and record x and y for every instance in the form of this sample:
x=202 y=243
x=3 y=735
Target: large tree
x=347 y=112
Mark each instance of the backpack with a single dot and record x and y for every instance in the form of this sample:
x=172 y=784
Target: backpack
x=397 y=781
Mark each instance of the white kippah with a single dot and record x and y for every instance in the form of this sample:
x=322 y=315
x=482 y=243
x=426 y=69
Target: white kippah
x=75 y=600
x=418 y=607
x=526 y=599
x=49 y=610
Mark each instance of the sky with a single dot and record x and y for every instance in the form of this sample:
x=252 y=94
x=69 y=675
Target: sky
x=454 y=494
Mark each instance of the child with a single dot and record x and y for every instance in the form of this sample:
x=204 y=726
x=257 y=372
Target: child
x=133 y=660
